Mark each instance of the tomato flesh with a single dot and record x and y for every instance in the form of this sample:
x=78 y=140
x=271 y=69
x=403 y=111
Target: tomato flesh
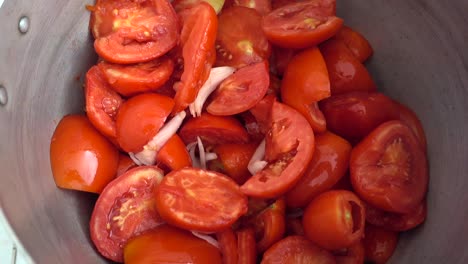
x=174 y=155
x=234 y=159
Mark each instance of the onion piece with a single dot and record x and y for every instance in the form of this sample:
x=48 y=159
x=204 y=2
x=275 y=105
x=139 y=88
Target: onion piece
x=148 y=155
x=191 y=149
x=201 y=153
x=217 y=75
x=257 y=163
x=207 y=238
x=211 y=156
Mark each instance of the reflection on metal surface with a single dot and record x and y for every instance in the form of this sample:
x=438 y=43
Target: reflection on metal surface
x=3 y=95
x=23 y=24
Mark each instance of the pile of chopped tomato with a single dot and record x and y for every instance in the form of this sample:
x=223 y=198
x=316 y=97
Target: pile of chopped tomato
x=246 y=133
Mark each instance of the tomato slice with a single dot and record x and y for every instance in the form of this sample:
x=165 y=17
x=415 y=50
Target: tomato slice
x=346 y=72
x=329 y=164
x=389 y=168
x=214 y=130
x=354 y=115
x=197 y=40
x=200 y=200
x=134 y=31
x=356 y=42
x=335 y=219
x=297 y=250
x=228 y=246
x=246 y=246
x=397 y=222
x=124 y=210
x=166 y=244
x=289 y=148
x=263 y=7
x=234 y=159
x=129 y=80
x=302 y=25
x=306 y=82
x=174 y=155
x=125 y=164
x=351 y=255
x=240 y=40
x=240 y=91
x=270 y=225
x=262 y=113
x=379 y=244
x=410 y=119
x=80 y=157
x=102 y=103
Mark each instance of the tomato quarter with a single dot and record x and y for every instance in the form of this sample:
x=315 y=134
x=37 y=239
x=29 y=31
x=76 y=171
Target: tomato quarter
x=270 y=225
x=174 y=155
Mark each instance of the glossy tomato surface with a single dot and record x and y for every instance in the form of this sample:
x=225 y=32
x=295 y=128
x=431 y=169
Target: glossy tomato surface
x=174 y=155
x=389 y=168
x=80 y=157
x=125 y=164
x=200 y=200
x=227 y=240
x=166 y=244
x=234 y=159
x=397 y=222
x=356 y=42
x=125 y=209
x=270 y=225
x=379 y=244
x=351 y=255
x=246 y=246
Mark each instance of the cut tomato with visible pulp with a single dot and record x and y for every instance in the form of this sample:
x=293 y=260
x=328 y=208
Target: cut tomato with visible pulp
x=302 y=25
x=289 y=148
x=124 y=210
x=200 y=200
x=240 y=91
x=389 y=168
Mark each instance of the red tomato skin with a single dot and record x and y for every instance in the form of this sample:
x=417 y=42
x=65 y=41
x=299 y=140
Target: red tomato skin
x=329 y=164
x=246 y=246
x=140 y=118
x=234 y=160
x=166 y=244
x=296 y=250
x=347 y=74
x=214 y=130
x=80 y=157
x=240 y=91
x=397 y=222
x=102 y=103
x=334 y=219
x=281 y=57
x=379 y=244
x=198 y=200
x=271 y=224
x=129 y=80
x=354 y=115
x=410 y=118
x=174 y=155
x=389 y=168
x=288 y=151
x=352 y=255
x=263 y=7
x=356 y=42
x=227 y=240
x=125 y=164
x=124 y=210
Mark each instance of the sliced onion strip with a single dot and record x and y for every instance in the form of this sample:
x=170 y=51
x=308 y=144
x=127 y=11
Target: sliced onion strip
x=257 y=163
x=207 y=238
x=201 y=153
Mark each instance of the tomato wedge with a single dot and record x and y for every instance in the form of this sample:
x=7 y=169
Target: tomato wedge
x=214 y=130
x=289 y=148
x=197 y=40
x=233 y=160
x=270 y=225
x=240 y=91
x=379 y=244
x=102 y=103
x=240 y=40
x=297 y=250
x=389 y=168
x=133 y=31
x=262 y=113
x=129 y=80
x=302 y=25
x=174 y=155
x=356 y=42
x=200 y=200
x=228 y=246
x=124 y=210
x=397 y=222
x=246 y=246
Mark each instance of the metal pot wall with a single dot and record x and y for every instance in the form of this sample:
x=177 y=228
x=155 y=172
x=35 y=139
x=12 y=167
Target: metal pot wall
x=421 y=59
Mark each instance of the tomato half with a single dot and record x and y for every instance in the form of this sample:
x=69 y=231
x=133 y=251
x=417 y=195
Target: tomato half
x=329 y=164
x=240 y=91
x=351 y=255
x=335 y=219
x=270 y=225
x=166 y=244
x=125 y=164
x=102 y=103
x=246 y=246
x=200 y=200
x=234 y=159
x=389 y=168
x=302 y=25
x=356 y=42
x=354 y=115
x=227 y=240
x=346 y=72
x=289 y=148
x=129 y=80
x=379 y=244
x=197 y=41
x=124 y=210
x=397 y=222
x=410 y=119
x=133 y=31
x=296 y=250
x=306 y=82
x=263 y=7
x=140 y=118
x=80 y=157
x=240 y=40
x=174 y=155
x=214 y=130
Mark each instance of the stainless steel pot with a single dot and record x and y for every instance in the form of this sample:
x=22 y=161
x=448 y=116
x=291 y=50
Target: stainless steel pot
x=421 y=59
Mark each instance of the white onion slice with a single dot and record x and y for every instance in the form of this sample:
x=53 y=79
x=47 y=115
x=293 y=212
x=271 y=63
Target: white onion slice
x=191 y=149
x=211 y=156
x=207 y=238
x=217 y=75
x=201 y=153
x=257 y=163
x=148 y=155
